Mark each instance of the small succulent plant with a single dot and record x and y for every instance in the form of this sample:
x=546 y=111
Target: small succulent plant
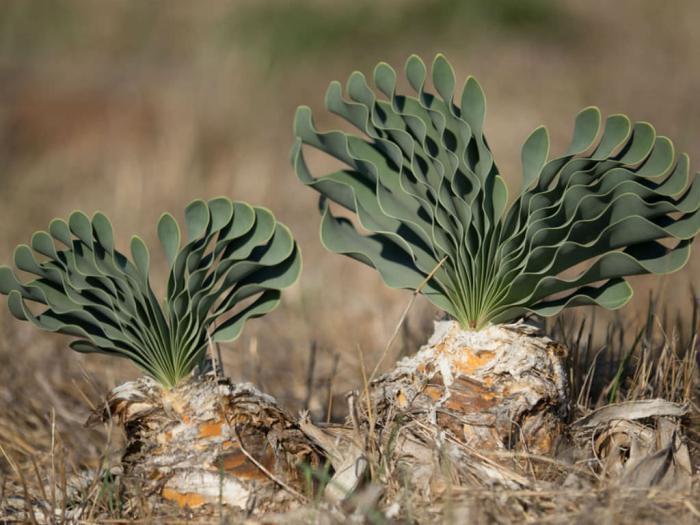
x=234 y=263
x=423 y=184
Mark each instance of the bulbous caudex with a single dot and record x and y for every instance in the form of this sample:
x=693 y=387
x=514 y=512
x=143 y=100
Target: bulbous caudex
x=208 y=441
x=500 y=389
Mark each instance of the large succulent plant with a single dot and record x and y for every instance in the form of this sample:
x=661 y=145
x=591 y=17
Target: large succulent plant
x=234 y=263
x=423 y=183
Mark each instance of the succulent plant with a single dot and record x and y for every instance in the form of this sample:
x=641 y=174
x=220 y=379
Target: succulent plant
x=423 y=184
x=234 y=263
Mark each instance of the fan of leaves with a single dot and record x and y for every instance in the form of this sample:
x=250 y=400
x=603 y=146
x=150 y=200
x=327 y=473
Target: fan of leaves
x=423 y=184
x=234 y=263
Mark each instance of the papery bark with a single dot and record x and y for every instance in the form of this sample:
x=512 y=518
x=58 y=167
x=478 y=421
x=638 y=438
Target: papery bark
x=191 y=444
x=468 y=393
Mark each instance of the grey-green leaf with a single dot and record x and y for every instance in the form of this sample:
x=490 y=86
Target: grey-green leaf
x=421 y=180
x=237 y=260
x=169 y=236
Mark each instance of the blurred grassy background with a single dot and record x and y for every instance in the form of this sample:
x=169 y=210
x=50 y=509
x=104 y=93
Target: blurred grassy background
x=135 y=108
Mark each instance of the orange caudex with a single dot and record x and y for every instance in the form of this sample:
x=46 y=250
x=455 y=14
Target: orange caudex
x=210 y=429
x=184 y=499
x=238 y=464
x=468 y=361
x=465 y=397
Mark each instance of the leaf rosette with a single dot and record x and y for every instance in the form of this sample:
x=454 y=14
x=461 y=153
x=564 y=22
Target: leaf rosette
x=432 y=208
x=233 y=264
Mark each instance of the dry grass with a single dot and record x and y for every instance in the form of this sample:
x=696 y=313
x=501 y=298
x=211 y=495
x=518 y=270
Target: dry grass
x=49 y=453
x=134 y=109
x=613 y=364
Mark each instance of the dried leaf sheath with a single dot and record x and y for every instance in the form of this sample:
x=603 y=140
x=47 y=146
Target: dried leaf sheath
x=502 y=387
x=191 y=444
